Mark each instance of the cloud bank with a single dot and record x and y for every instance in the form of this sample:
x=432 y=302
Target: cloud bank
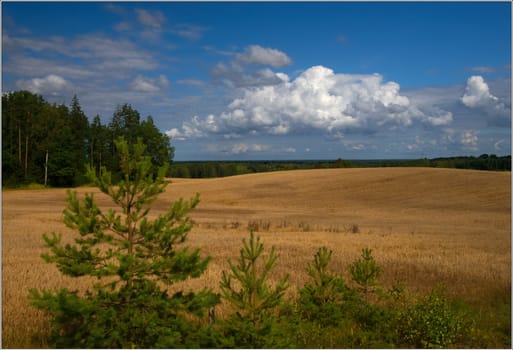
x=318 y=99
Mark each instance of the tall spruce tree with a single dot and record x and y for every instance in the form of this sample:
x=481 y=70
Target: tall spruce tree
x=134 y=259
x=79 y=126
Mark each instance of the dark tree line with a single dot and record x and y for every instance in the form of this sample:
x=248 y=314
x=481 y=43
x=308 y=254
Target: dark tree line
x=483 y=162
x=209 y=169
x=51 y=144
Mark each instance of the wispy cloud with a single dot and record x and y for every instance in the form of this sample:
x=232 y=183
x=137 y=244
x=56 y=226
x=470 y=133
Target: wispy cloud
x=256 y=54
x=27 y=66
x=90 y=54
x=189 y=31
x=115 y=8
x=123 y=26
x=214 y=50
x=245 y=69
x=191 y=82
x=235 y=76
x=143 y=84
x=153 y=19
x=245 y=148
x=103 y=70
x=483 y=69
x=499 y=145
x=146 y=25
x=469 y=140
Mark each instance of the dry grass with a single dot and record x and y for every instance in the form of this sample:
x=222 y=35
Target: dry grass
x=425 y=226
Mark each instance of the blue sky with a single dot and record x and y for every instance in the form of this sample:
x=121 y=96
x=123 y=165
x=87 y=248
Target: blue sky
x=289 y=80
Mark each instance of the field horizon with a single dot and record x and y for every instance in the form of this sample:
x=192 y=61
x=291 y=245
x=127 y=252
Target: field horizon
x=426 y=226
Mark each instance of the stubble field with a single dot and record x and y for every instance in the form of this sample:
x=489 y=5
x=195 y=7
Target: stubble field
x=424 y=225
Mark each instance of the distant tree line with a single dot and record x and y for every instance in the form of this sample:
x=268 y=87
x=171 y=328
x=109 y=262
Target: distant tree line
x=209 y=169
x=51 y=144
x=483 y=162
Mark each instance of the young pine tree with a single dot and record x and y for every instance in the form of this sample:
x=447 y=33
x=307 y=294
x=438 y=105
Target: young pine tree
x=365 y=272
x=327 y=298
x=252 y=297
x=134 y=259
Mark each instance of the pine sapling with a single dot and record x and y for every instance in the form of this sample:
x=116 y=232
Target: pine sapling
x=248 y=290
x=365 y=272
x=324 y=299
x=134 y=259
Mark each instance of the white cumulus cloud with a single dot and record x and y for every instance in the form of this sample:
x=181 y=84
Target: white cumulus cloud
x=319 y=99
x=477 y=95
x=322 y=100
x=195 y=128
x=51 y=84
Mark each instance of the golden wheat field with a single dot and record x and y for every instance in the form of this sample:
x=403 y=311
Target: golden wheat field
x=424 y=225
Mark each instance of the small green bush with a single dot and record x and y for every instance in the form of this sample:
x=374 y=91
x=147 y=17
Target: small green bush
x=430 y=323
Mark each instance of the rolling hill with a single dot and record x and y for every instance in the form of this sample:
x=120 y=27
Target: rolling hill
x=425 y=226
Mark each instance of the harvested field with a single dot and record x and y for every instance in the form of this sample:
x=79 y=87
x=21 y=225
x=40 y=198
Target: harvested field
x=425 y=226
